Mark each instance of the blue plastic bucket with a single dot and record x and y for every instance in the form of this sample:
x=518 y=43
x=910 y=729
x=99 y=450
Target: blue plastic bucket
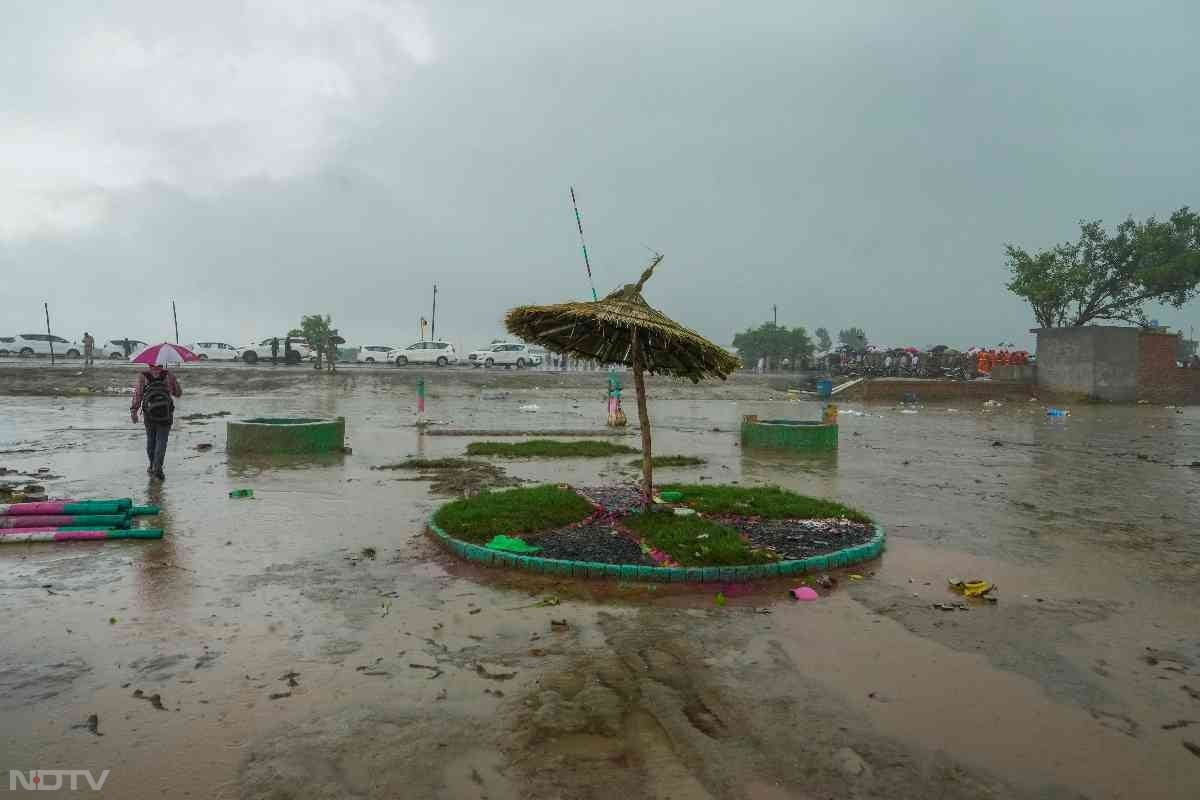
x=824 y=388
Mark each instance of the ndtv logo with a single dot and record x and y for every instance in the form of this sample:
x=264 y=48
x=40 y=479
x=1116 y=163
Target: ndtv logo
x=51 y=780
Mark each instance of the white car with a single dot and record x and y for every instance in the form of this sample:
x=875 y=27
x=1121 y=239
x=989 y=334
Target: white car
x=27 y=345
x=440 y=353
x=115 y=349
x=300 y=351
x=370 y=353
x=214 y=351
x=505 y=354
x=6 y=345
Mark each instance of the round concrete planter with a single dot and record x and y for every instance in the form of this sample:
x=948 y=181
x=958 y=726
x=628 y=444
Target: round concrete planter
x=589 y=569
x=789 y=434
x=285 y=435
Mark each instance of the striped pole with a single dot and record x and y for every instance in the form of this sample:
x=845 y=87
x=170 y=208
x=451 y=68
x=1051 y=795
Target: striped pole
x=72 y=507
x=64 y=520
x=53 y=535
x=583 y=244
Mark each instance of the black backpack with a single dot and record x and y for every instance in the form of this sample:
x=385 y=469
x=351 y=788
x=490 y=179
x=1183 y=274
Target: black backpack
x=157 y=405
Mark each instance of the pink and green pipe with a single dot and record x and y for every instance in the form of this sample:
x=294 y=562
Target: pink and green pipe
x=14 y=536
x=91 y=521
x=75 y=508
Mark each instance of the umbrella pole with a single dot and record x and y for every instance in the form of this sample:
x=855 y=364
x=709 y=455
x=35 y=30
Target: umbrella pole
x=639 y=382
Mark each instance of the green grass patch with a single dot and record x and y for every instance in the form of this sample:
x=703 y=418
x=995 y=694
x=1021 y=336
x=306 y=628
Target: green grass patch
x=549 y=448
x=762 y=501
x=536 y=508
x=693 y=541
x=672 y=461
x=428 y=463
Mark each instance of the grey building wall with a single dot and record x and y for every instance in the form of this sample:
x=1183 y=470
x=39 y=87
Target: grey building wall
x=1099 y=361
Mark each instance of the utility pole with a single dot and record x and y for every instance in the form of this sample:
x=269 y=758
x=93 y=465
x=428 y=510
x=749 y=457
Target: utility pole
x=775 y=311
x=49 y=336
x=433 y=334
x=176 y=316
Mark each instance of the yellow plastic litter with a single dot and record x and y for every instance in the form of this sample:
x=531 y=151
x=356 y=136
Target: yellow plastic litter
x=975 y=588
x=856 y=577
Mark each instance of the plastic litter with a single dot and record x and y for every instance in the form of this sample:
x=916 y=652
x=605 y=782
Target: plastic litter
x=685 y=512
x=530 y=408
x=1058 y=412
x=512 y=544
x=804 y=593
x=242 y=493
x=973 y=588
x=671 y=497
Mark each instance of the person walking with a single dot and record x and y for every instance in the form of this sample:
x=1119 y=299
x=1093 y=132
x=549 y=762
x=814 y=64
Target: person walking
x=274 y=351
x=154 y=398
x=89 y=349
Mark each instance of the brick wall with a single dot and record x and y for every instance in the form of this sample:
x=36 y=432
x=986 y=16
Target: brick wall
x=1159 y=380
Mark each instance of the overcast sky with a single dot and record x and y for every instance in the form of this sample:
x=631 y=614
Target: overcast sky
x=854 y=163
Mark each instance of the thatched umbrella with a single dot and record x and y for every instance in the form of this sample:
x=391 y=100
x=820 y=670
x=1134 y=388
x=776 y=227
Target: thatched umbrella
x=624 y=329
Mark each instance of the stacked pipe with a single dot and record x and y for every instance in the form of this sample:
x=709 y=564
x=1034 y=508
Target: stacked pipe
x=74 y=520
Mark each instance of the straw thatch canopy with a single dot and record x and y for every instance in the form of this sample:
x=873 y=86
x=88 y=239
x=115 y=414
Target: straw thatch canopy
x=604 y=330
x=623 y=329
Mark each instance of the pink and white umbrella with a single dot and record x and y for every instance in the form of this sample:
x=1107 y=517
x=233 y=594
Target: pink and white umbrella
x=164 y=354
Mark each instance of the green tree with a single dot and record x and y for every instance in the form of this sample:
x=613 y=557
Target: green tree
x=317 y=331
x=774 y=343
x=823 y=340
x=854 y=338
x=1110 y=277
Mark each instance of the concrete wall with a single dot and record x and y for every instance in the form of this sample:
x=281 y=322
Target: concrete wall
x=1015 y=373
x=894 y=390
x=1099 y=362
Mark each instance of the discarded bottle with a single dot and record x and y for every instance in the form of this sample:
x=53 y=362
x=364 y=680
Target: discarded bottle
x=1057 y=412
x=242 y=493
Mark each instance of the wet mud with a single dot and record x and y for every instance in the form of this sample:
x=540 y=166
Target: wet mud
x=314 y=642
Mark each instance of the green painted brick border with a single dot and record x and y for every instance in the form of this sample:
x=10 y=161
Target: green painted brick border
x=629 y=572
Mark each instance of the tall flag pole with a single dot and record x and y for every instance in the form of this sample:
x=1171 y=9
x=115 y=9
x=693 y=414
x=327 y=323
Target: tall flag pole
x=583 y=244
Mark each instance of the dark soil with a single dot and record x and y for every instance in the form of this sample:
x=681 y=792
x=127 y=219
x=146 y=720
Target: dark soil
x=802 y=538
x=594 y=542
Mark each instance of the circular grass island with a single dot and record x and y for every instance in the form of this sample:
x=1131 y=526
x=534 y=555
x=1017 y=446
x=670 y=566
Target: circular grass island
x=710 y=534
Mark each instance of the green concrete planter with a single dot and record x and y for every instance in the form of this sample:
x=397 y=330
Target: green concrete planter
x=789 y=434
x=622 y=572
x=285 y=435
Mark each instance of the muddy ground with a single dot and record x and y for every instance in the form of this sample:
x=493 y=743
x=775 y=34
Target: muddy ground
x=314 y=643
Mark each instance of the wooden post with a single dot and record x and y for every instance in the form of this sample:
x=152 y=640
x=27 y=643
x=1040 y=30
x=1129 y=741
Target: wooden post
x=639 y=382
x=49 y=336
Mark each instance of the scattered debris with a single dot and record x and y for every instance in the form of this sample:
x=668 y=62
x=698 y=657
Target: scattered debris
x=1179 y=723
x=191 y=417
x=278 y=695
x=494 y=676
x=435 y=670
x=369 y=552
x=1192 y=747
x=973 y=588
x=559 y=625
x=203 y=446
x=290 y=677
x=155 y=699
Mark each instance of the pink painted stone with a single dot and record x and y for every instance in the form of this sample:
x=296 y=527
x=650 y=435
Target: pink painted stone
x=805 y=593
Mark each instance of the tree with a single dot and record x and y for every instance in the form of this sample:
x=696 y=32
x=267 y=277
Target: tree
x=774 y=343
x=823 y=340
x=1110 y=277
x=854 y=338
x=317 y=331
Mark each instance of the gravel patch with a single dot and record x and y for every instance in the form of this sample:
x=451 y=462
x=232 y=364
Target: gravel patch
x=597 y=542
x=619 y=500
x=803 y=538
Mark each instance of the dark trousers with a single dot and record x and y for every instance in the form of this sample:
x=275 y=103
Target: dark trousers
x=156 y=443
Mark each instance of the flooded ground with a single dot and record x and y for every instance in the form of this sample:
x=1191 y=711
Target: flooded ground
x=314 y=643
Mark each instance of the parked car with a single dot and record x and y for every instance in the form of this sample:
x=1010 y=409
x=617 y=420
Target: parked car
x=214 y=351
x=370 y=353
x=505 y=354
x=6 y=345
x=439 y=353
x=27 y=345
x=115 y=348
x=300 y=351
